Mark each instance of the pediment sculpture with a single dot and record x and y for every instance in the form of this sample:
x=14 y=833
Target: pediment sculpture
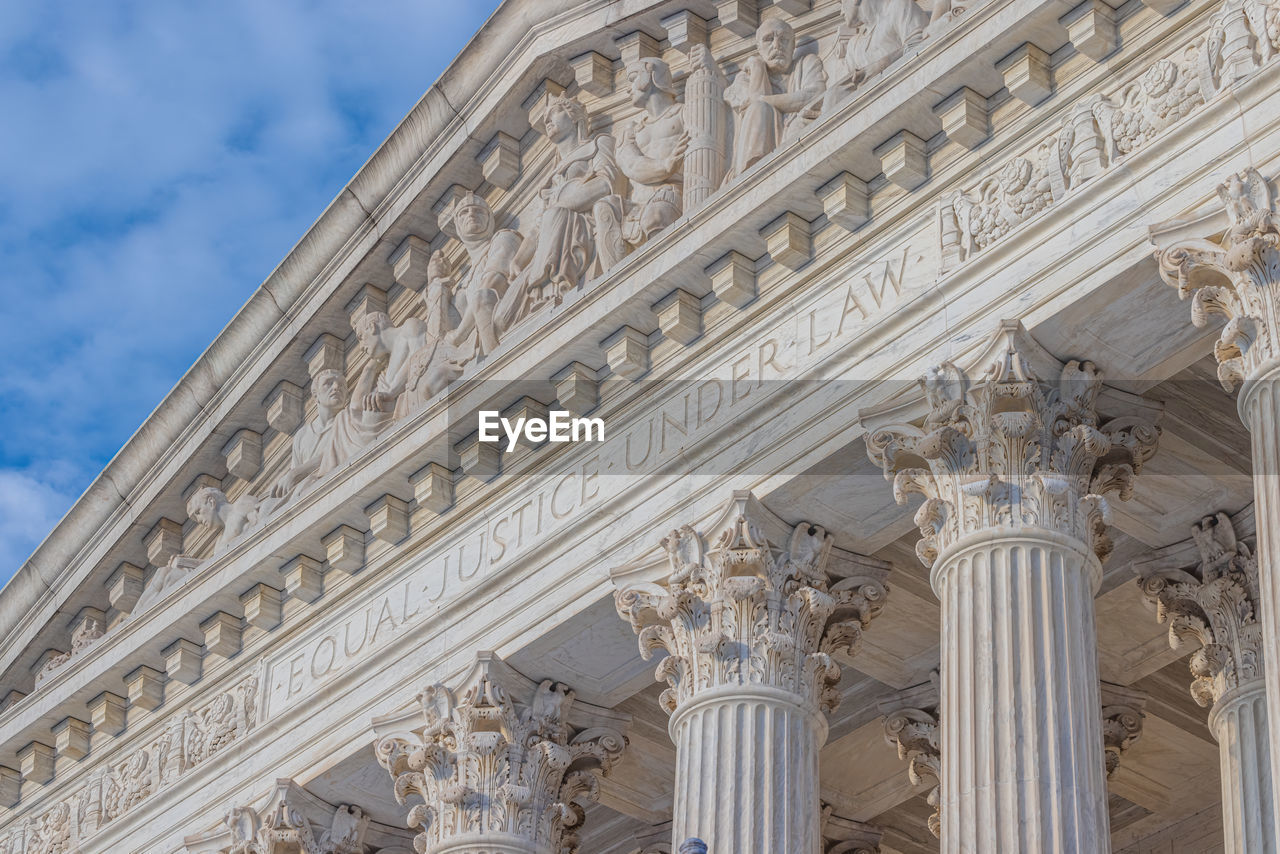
x=652 y=151
x=343 y=425
x=775 y=95
x=696 y=131
x=575 y=227
x=873 y=34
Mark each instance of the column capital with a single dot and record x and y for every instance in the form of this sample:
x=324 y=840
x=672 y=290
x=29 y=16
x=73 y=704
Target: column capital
x=847 y=836
x=764 y=606
x=912 y=725
x=1017 y=443
x=499 y=761
x=1122 y=716
x=1236 y=274
x=1214 y=605
x=291 y=819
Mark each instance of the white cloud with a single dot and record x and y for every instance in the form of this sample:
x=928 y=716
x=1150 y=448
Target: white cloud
x=29 y=508
x=158 y=161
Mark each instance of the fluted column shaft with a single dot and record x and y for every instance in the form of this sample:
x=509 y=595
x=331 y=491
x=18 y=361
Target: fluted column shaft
x=1259 y=406
x=1239 y=723
x=766 y=739
x=1021 y=737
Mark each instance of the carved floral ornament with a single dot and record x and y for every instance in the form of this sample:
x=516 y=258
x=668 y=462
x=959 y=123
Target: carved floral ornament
x=1103 y=129
x=762 y=605
x=912 y=726
x=1215 y=606
x=1022 y=445
x=1236 y=275
x=502 y=758
x=189 y=739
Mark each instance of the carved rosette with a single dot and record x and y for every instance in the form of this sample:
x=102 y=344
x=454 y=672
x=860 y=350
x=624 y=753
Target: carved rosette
x=502 y=764
x=1012 y=450
x=1215 y=606
x=1236 y=276
x=751 y=611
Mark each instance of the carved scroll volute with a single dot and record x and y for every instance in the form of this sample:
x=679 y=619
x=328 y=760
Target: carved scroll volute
x=501 y=756
x=1021 y=445
x=1122 y=716
x=1235 y=275
x=758 y=607
x=913 y=727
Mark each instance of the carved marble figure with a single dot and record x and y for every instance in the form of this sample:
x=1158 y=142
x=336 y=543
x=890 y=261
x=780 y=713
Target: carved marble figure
x=210 y=507
x=775 y=95
x=165 y=578
x=335 y=435
x=943 y=12
x=477 y=291
x=652 y=151
x=386 y=376
x=577 y=222
x=872 y=35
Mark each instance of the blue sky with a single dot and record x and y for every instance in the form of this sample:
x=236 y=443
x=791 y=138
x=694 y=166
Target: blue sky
x=157 y=160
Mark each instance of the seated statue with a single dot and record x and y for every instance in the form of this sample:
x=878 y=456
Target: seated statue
x=431 y=370
x=327 y=442
x=210 y=507
x=386 y=376
x=652 y=151
x=774 y=96
x=577 y=223
x=873 y=34
x=476 y=293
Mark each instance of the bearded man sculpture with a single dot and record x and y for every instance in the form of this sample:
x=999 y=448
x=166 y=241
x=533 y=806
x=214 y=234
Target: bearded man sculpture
x=774 y=97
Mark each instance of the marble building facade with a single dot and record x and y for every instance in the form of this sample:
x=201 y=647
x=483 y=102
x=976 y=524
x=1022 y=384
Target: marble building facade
x=937 y=349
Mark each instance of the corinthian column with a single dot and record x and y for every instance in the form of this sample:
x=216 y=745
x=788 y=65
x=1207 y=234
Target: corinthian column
x=502 y=765
x=1238 y=277
x=1013 y=465
x=1214 y=607
x=750 y=627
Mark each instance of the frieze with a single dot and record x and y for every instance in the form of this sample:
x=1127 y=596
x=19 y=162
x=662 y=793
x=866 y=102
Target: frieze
x=188 y=739
x=1102 y=130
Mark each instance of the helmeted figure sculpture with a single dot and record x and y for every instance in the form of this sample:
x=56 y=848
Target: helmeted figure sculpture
x=652 y=151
